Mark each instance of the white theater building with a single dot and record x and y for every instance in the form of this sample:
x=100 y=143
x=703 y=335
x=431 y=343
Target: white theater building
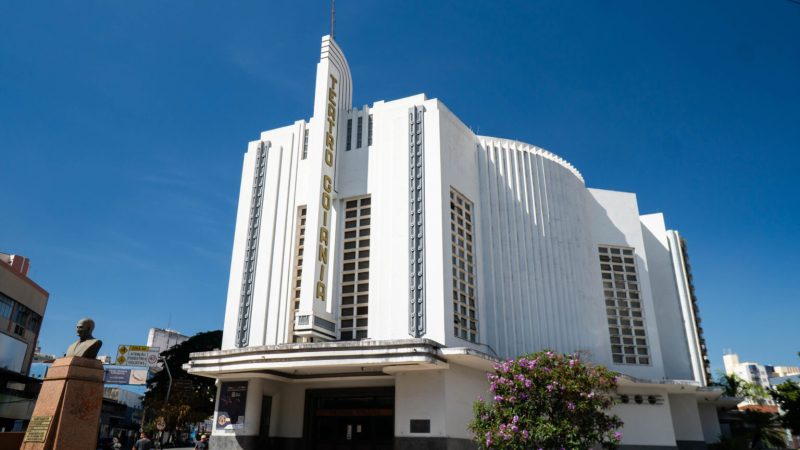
x=385 y=257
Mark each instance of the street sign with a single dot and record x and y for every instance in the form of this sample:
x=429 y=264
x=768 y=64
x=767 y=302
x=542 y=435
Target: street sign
x=137 y=355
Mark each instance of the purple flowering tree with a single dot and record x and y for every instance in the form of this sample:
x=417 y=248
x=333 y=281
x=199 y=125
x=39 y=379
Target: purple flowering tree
x=547 y=401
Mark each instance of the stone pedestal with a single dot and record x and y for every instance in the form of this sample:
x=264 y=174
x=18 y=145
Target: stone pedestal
x=67 y=412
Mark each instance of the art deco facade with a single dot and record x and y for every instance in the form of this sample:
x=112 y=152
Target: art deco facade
x=385 y=257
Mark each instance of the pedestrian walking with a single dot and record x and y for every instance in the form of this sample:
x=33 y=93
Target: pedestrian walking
x=143 y=443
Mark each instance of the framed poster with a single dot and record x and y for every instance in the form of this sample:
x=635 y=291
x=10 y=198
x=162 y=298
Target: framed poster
x=232 y=402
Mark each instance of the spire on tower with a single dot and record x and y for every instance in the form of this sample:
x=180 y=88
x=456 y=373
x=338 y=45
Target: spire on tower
x=333 y=16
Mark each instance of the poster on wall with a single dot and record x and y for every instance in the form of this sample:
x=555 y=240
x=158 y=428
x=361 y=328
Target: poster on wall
x=232 y=400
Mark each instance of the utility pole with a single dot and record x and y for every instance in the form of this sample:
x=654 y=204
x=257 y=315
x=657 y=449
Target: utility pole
x=169 y=386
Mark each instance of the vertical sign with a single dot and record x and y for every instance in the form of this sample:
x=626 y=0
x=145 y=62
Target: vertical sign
x=323 y=241
x=332 y=101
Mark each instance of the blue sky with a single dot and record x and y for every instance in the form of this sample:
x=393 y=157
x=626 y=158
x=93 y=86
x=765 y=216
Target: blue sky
x=123 y=125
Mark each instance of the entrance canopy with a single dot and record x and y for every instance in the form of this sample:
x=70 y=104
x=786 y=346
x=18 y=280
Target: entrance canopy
x=343 y=359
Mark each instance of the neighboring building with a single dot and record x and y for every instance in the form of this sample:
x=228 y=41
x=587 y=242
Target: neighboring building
x=777 y=381
x=783 y=371
x=756 y=373
x=164 y=339
x=748 y=371
x=384 y=258
x=119 y=420
x=22 y=307
x=42 y=357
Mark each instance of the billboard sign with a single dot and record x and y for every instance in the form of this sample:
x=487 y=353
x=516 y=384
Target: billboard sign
x=125 y=376
x=232 y=401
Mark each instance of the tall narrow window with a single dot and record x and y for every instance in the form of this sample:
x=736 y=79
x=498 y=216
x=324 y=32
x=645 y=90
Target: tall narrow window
x=355 y=269
x=6 y=305
x=360 y=128
x=305 y=143
x=349 y=134
x=623 y=306
x=297 y=277
x=465 y=318
x=369 y=130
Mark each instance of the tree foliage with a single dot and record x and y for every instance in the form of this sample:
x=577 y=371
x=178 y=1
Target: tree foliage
x=191 y=398
x=764 y=429
x=787 y=395
x=547 y=400
x=734 y=386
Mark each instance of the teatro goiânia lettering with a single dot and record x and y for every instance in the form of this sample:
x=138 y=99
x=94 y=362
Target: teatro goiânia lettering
x=327 y=190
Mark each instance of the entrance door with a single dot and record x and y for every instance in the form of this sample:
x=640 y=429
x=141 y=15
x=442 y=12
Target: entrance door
x=350 y=419
x=266 y=418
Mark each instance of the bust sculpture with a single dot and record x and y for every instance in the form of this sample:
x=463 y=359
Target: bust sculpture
x=86 y=346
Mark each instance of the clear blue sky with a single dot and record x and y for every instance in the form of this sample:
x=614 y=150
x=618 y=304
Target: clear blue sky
x=123 y=125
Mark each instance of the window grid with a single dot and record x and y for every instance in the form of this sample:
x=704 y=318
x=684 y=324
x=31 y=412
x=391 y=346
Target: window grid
x=354 y=309
x=349 y=134
x=298 y=260
x=369 y=130
x=359 y=130
x=623 y=306
x=305 y=143
x=465 y=319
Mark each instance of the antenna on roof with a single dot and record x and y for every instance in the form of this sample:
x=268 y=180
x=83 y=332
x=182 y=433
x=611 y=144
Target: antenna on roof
x=333 y=16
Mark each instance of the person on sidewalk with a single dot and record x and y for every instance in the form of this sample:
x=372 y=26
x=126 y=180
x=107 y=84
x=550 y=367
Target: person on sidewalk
x=143 y=443
x=202 y=444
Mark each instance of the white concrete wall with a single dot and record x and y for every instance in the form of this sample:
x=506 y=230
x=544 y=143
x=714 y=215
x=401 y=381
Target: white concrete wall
x=539 y=280
x=682 y=283
x=674 y=344
x=686 y=417
x=463 y=386
x=645 y=424
x=420 y=396
x=710 y=422
x=614 y=219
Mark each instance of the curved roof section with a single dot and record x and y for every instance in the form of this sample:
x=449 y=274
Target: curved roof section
x=510 y=143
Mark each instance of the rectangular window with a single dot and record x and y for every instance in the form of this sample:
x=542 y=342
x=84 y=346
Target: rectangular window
x=465 y=317
x=305 y=144
x=297 y=276
x=359 y=130
x=6 y=305
x=623 y=306
x=22 y=315
x=369 y=130
x=354 y=308
x=349 y=134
